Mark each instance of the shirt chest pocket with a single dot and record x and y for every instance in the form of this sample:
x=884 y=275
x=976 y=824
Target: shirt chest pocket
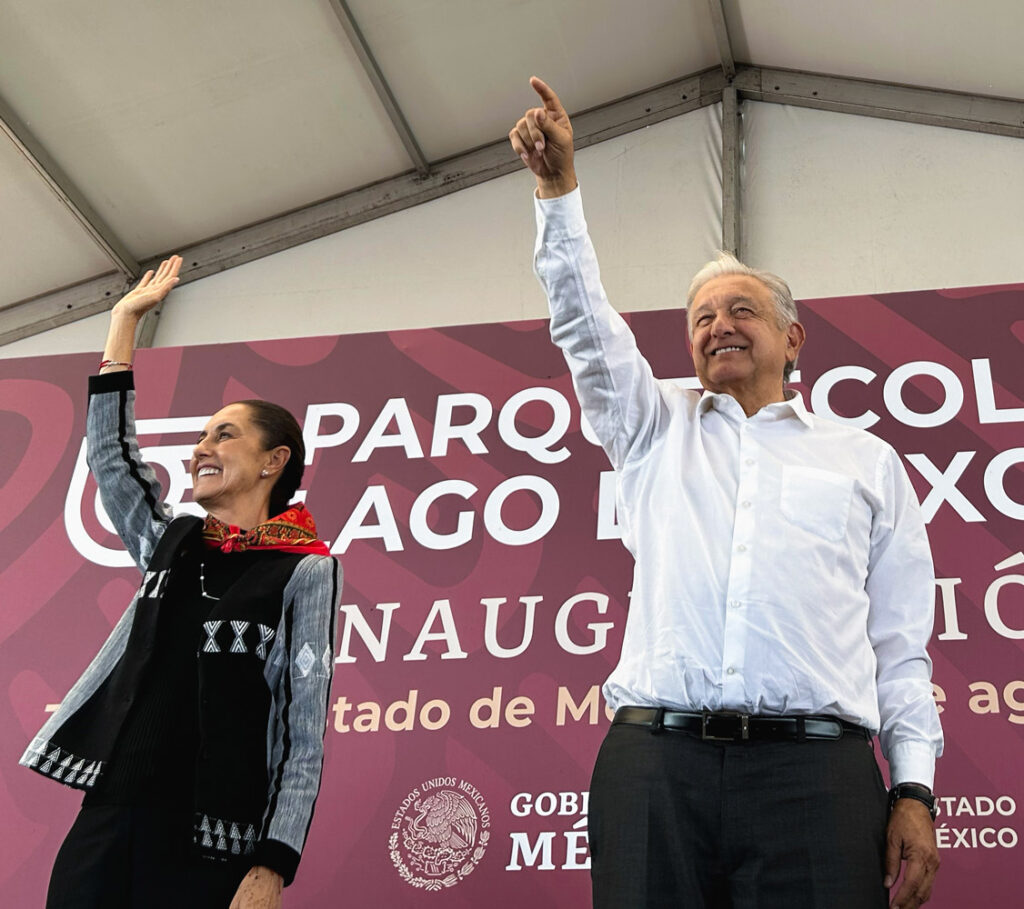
x=817 y=500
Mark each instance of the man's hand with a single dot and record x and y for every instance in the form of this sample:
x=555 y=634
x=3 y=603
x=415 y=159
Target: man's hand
x=910 y=838
x=543 y=139
x=260 y=889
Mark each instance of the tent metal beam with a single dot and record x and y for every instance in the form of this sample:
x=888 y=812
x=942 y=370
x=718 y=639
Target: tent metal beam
x=978 y=113
x=888 y=101
x=380 y=84
x=62 y=186
x=731 y=157
x=721 y=28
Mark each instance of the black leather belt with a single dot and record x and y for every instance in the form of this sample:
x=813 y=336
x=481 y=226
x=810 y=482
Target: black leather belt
x=738 y=727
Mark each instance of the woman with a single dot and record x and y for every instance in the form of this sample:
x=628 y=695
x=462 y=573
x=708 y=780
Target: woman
x=197 y=731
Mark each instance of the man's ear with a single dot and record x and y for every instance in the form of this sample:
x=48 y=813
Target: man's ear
x=795 y=337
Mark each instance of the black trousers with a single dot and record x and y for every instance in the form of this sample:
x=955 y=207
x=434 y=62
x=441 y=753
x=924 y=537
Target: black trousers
x=137 y=857
x=680 y=822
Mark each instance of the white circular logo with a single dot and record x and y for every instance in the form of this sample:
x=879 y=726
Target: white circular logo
x=439 y=833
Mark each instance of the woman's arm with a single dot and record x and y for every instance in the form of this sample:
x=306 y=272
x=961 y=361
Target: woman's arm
x=129 y=310
x=301 y=691
x=128 y=486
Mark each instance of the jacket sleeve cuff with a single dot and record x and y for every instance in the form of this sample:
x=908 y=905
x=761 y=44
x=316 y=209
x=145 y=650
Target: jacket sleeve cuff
x=912 y=762
x=124 y=380
x=277 y=856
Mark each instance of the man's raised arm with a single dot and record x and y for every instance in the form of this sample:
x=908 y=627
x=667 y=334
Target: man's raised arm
x=616 y=389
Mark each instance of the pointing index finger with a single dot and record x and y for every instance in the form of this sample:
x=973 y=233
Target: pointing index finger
x=547 y=95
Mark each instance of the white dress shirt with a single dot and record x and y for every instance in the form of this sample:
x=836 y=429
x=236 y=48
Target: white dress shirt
x=782 y=565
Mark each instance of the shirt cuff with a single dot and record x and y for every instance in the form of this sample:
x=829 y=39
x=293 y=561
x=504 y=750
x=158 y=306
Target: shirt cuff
x=912 y=762
x=562 y=215
x=122 y=380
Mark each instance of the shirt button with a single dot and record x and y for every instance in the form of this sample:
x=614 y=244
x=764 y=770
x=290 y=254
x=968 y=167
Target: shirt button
x=734 y=603
x=731 y=671
x=750 y=462
x=741 y=548
x=746 y=504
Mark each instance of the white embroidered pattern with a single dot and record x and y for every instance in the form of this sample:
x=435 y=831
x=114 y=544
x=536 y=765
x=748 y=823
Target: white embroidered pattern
x=153 y=583
x=238 y=645
x=266 y=636
x=62 y=765
x=224 y=836
x=211 y=629
x=305 y=660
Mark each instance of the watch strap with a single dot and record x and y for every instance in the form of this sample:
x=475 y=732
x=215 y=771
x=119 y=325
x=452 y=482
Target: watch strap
x=913 y=791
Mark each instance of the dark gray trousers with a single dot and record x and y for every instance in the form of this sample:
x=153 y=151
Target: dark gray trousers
x=680 y=822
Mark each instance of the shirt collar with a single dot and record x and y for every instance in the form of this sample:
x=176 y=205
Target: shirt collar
x=726 y=404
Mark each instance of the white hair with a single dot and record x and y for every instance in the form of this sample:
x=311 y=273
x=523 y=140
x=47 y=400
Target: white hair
x=725 y=264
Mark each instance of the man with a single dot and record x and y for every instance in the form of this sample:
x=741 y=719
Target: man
x=781 y=606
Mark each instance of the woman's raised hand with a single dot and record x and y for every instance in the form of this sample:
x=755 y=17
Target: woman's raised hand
x=154 y=286
x=129 y=310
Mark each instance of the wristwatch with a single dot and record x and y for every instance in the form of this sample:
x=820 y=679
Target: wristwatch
x=913 y=791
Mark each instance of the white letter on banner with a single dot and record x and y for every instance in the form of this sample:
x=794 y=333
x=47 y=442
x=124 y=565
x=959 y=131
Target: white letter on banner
x=353 y=619
x=549 y=506
x=608 y=528
x=577 y=854
x=493 y=606
x=311 y=437
x=418 y=516
x=950 y=618
x=986 y=397
x=537 y=447
x=445 y=432
x=521 y=848
x=992 y=598
x=442 y=609
x=892 y=393
x=994 y=487
x=827 y=381
x=386 y=528
x=600 y=629
x=87 y=547
x=520 y=805
x=395 y=409
x=944 y=486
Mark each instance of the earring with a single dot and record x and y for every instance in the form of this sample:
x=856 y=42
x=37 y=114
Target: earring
x=263 y=473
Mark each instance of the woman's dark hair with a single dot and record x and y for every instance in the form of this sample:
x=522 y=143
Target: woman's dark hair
x=279 y=427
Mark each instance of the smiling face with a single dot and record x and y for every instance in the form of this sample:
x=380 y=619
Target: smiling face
x=737 y=345
x=227 y=467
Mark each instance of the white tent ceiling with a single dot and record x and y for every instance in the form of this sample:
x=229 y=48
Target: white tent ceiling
x=231 y=130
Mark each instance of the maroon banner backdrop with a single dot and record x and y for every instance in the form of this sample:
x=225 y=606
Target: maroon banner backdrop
x=486 y=590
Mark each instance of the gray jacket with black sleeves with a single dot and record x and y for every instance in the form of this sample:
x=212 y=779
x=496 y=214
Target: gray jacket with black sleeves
x=265 y=659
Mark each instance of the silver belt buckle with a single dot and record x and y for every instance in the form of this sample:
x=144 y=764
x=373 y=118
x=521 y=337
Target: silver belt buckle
x=706 y=715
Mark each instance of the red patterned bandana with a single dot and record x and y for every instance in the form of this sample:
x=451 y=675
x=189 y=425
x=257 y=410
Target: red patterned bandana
x=293 y=530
